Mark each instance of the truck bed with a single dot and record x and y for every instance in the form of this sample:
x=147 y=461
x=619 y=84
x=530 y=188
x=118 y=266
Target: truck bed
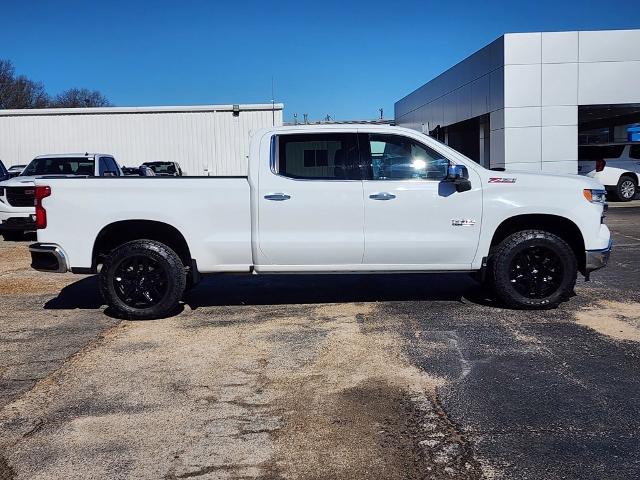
x=212 y=214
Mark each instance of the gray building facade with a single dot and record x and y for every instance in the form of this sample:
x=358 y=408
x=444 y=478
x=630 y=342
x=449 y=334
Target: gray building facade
x=523 y=101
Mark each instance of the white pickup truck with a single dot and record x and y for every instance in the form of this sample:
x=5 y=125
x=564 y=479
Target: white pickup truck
x=17 y=212
x=323 y=199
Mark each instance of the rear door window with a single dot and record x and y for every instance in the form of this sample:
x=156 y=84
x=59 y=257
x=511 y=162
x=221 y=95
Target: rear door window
x=322 y=156
x=634 y=152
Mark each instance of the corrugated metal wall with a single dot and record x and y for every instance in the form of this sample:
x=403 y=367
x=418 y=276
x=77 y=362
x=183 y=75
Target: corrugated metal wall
x=203 y=142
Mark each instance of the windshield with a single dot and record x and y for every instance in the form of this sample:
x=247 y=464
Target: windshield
x=599 y=152
x=162 y=167
x=60 y=166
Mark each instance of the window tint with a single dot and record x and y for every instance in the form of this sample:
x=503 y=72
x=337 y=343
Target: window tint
x=393 y=157
x=331 y=156
x=108 y=164
x=102 y=166
x=634 y=152
x=113 y=166
x=162 y=167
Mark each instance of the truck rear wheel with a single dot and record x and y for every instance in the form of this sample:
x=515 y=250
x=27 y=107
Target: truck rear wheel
x=143 y=279
x=534 y=269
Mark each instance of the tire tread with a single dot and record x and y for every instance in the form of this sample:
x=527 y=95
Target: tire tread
x=173 y=266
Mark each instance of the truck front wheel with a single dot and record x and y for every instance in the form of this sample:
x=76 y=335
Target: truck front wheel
x=143 y=279
x=534 y=269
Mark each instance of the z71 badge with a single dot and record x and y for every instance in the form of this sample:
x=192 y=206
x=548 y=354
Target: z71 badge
x=501 y=180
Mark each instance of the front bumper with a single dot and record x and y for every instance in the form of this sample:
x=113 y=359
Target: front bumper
x=19 y=223
x=48 y=257
x=17 y=220
x=596 y=259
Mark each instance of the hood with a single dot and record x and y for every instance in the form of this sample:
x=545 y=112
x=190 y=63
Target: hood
x=544 y=179
x=18 y=182
x=21 y=181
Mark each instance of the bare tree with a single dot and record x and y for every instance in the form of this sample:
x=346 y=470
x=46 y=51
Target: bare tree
x=21 y=92
x=80 y=97
x=28 y=94
x=7 y=73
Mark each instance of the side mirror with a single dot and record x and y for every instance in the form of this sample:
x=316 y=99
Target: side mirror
x=459 y=175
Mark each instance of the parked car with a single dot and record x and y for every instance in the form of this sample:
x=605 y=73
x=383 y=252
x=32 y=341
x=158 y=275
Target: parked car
x=4 y=174
x=165 y=169
x=141 y=171
x=615 y=165
x=326 y=199
x=16 y=170
x=17 y=211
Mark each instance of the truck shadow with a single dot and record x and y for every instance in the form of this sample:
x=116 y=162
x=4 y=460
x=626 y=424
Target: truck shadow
x=236 y=290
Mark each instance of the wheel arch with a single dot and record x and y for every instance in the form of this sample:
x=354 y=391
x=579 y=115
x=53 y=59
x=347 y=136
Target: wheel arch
x=560 y=226
x=121 y=232
x=633 y=175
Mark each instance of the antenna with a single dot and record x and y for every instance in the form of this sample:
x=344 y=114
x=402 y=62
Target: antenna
x=273 y=104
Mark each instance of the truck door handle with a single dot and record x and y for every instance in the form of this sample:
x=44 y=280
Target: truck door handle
x=382 y=196
x=277 y=197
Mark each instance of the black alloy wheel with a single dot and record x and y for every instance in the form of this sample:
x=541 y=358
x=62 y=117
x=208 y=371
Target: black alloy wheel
x=140 y=281
x=536 y=272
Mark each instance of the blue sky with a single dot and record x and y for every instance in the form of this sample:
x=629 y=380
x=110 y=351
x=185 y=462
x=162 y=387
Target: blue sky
x=345 y=59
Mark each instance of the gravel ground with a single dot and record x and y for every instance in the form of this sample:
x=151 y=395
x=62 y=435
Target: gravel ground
x=312 y=377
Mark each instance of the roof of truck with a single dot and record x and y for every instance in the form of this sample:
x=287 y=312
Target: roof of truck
x=74 y=155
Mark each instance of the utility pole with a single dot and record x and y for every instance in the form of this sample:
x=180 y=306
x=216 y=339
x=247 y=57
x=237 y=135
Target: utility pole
x=381 y=110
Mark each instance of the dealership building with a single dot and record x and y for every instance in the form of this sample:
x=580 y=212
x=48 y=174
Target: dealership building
x=527 y=100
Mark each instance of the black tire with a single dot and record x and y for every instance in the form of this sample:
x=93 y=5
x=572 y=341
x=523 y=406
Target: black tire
x=627 y=188
x=534 y=269
x=143 y=279
x=13 y=235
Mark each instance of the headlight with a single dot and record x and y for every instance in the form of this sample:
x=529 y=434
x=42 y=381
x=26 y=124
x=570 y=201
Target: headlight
x=595 y=196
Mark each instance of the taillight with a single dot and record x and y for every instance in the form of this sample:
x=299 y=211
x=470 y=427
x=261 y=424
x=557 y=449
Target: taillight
x=41 y=214
x=600 y=164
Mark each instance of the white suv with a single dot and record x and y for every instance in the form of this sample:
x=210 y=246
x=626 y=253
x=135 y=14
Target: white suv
x=615 y=165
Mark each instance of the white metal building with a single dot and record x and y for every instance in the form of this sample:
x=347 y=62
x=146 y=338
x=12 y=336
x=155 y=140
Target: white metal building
x=204 y=139
x=522 y=101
